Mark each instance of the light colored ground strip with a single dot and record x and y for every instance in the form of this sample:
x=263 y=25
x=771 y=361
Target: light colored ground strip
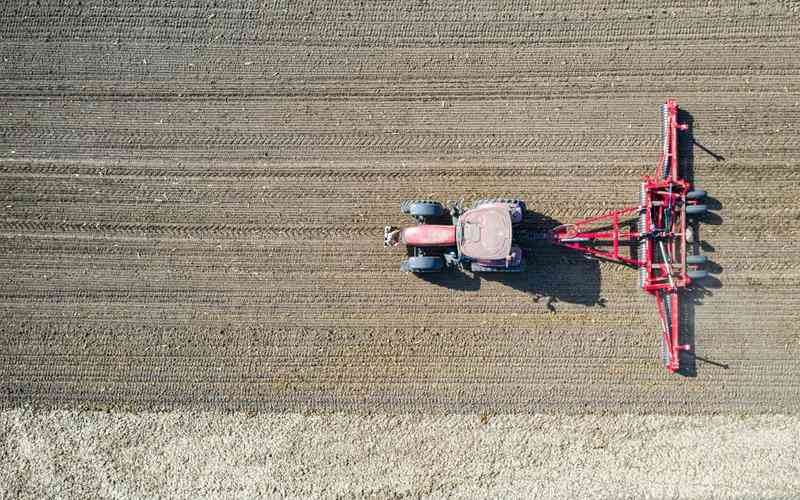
x=67 y=454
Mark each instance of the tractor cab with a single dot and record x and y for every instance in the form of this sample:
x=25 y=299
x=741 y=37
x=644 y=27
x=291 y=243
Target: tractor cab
x=484 y=233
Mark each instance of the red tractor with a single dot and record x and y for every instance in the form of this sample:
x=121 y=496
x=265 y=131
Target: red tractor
x=480 y=237
x=483 y=237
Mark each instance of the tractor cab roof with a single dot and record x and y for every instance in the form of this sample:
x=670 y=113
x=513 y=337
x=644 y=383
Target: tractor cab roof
x=484 y=233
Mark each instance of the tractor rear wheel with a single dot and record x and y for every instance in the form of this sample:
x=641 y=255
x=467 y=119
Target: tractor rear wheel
x=507 y=201
x=422 y=209
x=424 y=264
x=478 y=268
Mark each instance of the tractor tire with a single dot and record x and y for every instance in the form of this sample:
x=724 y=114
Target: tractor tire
x=478 y=268
x=422 y=209
x=697 y=274
x=695 y=194
x=696 y=260
x=696 y=210
x=508 y=201
x=424 y=264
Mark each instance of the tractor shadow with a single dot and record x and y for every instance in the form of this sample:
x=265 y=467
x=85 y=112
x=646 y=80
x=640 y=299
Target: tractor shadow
x=696 y=295
x=552 y=274
x=453 y=280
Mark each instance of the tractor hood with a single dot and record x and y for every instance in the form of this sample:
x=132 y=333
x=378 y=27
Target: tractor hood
x=485 y=233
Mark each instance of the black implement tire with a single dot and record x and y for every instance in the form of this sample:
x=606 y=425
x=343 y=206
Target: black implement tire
x=696 y=260
x=695 y=194
x=696 y=209
x=424 y=264
x=697 y=274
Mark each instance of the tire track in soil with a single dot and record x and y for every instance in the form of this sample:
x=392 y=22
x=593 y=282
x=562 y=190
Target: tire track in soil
x=191 y=202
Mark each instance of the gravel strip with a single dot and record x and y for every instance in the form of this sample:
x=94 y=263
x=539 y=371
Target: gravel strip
x=69 y=454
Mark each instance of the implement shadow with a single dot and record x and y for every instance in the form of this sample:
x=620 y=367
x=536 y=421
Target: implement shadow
x=696 y=294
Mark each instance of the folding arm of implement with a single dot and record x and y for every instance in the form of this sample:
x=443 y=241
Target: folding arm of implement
x=659 y=237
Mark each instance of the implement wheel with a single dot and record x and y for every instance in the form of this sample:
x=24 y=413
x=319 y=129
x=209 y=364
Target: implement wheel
x=697 y=274
x=696 y=210
x=696 y=260
x=695 y=194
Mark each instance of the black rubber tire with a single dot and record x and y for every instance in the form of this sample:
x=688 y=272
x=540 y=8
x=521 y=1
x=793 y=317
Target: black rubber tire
x=695 y=194
x=424 y=264
x=477 y=268
x=509 y=201
x=697 y=274
x=696 y=210
x=405 y=205
x=696 y=260
x=422 y=210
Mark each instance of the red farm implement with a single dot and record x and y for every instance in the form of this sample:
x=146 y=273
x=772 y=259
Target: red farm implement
x=665 y=202
x=483 y=237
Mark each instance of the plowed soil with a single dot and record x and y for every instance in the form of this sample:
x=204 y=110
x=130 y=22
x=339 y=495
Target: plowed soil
x=193 y=200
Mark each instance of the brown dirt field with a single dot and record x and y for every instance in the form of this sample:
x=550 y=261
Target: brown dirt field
x=193 y=200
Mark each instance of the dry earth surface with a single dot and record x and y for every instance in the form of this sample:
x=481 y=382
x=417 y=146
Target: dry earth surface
x=192 y=198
